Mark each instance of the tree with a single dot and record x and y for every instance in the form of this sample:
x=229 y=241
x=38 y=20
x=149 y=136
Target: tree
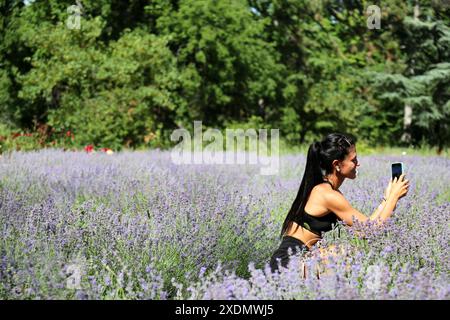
x=114 y=94
x=13 y=111
x=227 y=67
x=422 y=87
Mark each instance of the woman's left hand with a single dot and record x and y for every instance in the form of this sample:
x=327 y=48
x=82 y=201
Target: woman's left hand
x=387 y=192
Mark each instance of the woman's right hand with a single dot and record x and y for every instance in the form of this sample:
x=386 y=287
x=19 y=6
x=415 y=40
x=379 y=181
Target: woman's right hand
x=399 y=187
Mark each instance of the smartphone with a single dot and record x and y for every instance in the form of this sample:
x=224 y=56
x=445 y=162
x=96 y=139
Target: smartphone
x=397 y=169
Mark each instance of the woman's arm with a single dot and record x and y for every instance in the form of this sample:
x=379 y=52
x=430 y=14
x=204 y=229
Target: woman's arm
x=388 y=208
x=337 y=203
x=396 y=189
x=377 y=211
x=375 y=215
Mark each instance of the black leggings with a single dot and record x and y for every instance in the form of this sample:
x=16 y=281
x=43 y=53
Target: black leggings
x=282 y=252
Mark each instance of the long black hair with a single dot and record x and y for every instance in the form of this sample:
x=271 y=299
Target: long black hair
x=321 y=154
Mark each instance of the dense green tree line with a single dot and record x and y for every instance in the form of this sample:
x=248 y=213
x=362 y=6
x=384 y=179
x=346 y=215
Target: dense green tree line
x=136 y=70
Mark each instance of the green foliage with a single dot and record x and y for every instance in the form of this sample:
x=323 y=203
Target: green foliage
x=106 y=96
x=423 y=84
x=137 y=70
x=226 y=65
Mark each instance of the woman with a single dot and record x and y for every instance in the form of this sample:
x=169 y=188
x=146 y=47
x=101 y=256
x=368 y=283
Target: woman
x=319 y=203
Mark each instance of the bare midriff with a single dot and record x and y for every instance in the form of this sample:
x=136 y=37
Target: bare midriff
x=307 y=237
x=315 y=207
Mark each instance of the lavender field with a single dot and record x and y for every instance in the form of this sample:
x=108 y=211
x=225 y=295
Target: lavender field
x=133 y=225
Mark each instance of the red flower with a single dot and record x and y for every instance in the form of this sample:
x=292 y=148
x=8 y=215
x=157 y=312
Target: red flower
x=68 y=133
x=89 y=148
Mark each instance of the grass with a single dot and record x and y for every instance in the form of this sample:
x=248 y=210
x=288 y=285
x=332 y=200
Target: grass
x=365 y=149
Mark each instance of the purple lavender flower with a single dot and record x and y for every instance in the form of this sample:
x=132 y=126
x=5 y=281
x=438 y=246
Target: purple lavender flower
x=137 y=221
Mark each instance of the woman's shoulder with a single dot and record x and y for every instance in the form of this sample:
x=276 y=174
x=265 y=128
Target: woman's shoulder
x=326 y=194
x=324 y=188
x=319 y=197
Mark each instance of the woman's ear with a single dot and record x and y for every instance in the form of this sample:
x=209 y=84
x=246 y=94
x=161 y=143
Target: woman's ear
x=335 y=164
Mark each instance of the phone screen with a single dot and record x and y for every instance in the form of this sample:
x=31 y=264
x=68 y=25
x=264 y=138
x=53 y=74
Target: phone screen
x=397 y=170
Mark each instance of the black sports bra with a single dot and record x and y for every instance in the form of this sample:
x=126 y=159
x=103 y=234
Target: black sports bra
x=317 y=225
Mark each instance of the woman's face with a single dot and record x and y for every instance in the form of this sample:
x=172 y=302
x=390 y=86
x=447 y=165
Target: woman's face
x=349 y=164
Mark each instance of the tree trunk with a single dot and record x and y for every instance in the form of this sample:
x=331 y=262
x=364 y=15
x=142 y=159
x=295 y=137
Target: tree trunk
x=416 y=11
x=407 y=120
